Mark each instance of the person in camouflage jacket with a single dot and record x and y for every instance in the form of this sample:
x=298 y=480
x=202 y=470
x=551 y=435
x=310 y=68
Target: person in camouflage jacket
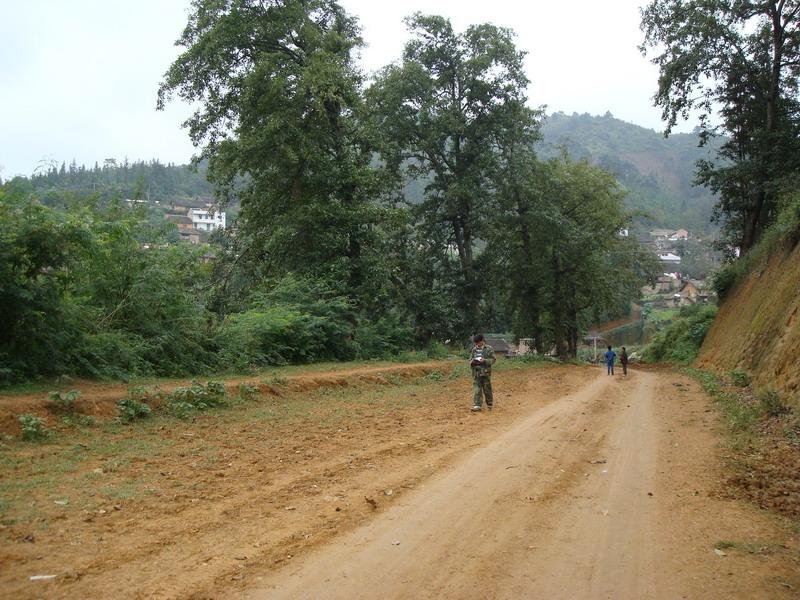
x=481 y=359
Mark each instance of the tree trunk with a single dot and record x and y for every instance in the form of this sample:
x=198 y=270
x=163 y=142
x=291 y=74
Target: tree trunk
x=559 y=316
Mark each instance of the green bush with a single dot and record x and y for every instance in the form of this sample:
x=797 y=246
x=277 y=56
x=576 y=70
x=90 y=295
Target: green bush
x=131 y=410
x=680 y=342
x=771 y=404
x=197 y=397
x=114 y=355
x=725 y=279
x=739 y=378
x=437 y=350
x=247 y=391
x=63 y=403
x=436 y=376
x=78 y=420
x=383 y=338
x=33 y=428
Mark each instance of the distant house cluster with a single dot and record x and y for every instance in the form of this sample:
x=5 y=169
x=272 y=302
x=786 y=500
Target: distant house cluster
x=670 y=289
x=664 y=242
x=195 y=223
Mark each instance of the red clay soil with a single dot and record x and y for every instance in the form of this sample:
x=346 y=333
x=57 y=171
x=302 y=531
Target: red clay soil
x=99 y=399
x=757 y=329
x=577 y=485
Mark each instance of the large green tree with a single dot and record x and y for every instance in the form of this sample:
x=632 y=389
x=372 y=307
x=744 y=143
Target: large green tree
x=556 y=237
x=440 y=112
x=278 y=96
x=740 y=59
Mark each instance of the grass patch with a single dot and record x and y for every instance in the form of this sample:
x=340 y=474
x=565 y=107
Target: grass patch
x=762 y=437
x=680 y=342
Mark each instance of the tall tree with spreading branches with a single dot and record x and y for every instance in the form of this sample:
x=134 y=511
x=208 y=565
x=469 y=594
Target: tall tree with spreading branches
x=440 y=112
x=740 y=59
x=278 y=96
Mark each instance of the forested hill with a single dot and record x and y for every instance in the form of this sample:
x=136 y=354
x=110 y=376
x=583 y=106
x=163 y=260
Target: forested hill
x=151 y=180
x=657 y=171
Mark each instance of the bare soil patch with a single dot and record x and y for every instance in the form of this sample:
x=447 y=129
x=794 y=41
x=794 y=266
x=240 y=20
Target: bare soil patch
x=577 y=485
x=168 y=508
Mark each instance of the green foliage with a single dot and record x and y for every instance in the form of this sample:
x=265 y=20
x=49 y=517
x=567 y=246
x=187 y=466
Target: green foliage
x=247 y=391
x=78 y=420
x=784 y=232
x=63 y=402
x=437 y=350
x=83 y=295
x=131 y=410
x=300 y=159
x=680 y=342
x=138 y=180
x=739 y=378
x=735 y=63
x=33 y=428
x=742 y=412
x=384 y=337
x=435 y=375
x=459 y=370
x=430 y=131
x=771 y=404
x=279 y=335
x=666 y=195
x=185 y=401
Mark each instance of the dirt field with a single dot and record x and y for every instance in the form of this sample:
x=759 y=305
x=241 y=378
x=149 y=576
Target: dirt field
x=380 y=483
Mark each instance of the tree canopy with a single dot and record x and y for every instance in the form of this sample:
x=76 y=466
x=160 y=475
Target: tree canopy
x=737 y=63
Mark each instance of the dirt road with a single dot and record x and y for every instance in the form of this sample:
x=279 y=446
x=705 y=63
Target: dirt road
x=379 y=483
x=607 y=492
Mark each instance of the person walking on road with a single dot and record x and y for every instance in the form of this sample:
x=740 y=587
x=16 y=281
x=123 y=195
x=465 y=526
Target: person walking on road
x=610 y=356
x=623 y=360
x=481 y=359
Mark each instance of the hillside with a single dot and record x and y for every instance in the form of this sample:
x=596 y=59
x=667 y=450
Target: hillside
x=657 y=171
x=757 y=329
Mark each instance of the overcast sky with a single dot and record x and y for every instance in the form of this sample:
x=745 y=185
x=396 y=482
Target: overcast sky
x=78 y=79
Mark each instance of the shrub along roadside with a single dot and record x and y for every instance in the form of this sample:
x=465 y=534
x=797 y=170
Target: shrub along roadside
x=680 y=342
x=764 y=443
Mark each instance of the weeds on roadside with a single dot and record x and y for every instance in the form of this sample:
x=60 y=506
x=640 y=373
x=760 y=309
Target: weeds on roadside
x=79 y=420
x=435 y=376
x=185 y=401
x=131 y=410
x=63 y=402
x=274 y=379
x=247 y=391
x=135 y=407
x=459 y=371
x=739 y=378
x=33 y=428
x=748 y=547
x=771 y=403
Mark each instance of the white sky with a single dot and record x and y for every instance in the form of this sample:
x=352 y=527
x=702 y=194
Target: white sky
x=78 y=78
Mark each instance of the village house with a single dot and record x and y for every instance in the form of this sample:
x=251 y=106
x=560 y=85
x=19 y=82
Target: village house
x=501 y=346
x=190 y=237
x=205 y=219
x=692 y=292
x=670 y=258
x=182 y=222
